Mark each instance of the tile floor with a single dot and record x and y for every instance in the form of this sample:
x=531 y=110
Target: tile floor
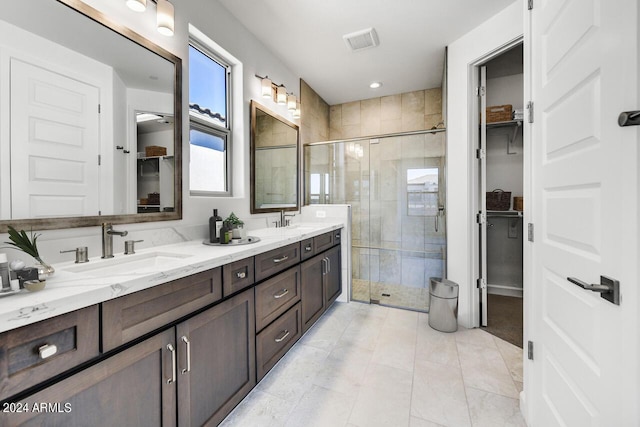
x=367 y=365
x=391 y=295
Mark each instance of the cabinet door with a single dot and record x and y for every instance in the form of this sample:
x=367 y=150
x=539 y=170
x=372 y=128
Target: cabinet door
x=313 y=300
x=333 y=279
x=131 y=388
x=217 y=365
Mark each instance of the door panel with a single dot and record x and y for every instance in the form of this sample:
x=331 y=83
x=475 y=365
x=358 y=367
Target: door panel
x=54 y=144
x=585 y=209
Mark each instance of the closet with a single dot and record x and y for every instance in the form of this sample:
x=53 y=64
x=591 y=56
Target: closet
x=501 y=194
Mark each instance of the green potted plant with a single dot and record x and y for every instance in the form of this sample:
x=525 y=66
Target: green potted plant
x=236 y=224
x=29 y=245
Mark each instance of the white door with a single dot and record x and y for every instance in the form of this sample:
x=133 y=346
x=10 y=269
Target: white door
x=584 y=63
x=54 y=144
x=484 y=279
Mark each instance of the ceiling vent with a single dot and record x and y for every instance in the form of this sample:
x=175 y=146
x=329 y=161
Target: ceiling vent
x=363 y=39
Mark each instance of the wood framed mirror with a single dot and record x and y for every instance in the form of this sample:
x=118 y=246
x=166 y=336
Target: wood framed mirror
x=94 y=117
x=275 y=154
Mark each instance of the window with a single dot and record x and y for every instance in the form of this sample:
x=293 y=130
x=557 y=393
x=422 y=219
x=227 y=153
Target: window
x=209 y=122
x=422 y=192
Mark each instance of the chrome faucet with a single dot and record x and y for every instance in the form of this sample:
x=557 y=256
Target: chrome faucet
x=284 y=221
x=107 y=239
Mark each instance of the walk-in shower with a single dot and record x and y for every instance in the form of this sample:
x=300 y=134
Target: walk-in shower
x=396 y=186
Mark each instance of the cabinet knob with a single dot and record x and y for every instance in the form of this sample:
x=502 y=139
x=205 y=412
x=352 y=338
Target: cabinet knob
x=47 y=350
x=241 y=275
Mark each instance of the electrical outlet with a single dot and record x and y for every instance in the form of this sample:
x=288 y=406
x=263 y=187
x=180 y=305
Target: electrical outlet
x=321 y=214
x=513 y=227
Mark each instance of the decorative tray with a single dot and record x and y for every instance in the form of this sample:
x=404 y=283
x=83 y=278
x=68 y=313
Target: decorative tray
x=234 y=242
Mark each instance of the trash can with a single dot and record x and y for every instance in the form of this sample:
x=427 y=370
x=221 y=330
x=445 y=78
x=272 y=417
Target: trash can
x=443 y=304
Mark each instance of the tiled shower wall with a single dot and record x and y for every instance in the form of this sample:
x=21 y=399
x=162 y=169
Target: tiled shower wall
x=409 y=111
x=389 y=246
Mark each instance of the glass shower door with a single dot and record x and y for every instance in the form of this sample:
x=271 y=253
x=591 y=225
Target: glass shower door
x=396 y=188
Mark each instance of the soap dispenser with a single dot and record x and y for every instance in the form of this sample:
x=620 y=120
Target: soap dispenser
x=215 y=224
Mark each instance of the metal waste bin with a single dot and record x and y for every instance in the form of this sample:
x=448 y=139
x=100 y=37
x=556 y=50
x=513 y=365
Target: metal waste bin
x=443 y=304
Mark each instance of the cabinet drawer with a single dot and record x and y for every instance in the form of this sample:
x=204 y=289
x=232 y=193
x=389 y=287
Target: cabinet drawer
x=306 y=248
x=131 y=316
x=323 y=242
x=23 y=352
x=237 y=276
x=276 y=295
x=276 y=339
x=277 y=260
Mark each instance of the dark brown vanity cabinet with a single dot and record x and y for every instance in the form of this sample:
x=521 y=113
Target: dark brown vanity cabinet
x=183 y=353
x=135 y=387
x=215 y=360
x=321 y=279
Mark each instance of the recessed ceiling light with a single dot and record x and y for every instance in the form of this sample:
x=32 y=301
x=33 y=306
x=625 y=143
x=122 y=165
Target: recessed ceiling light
x=375 y=85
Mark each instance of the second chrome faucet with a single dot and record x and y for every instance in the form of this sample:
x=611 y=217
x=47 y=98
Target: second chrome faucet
x=107 y=239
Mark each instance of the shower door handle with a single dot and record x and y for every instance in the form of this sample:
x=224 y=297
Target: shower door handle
x=440 y=212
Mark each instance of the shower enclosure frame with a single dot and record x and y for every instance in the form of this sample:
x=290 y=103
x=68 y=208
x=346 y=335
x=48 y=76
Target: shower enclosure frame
x=365 y=201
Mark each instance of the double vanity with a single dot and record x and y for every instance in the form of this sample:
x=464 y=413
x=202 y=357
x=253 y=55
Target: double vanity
x=172 y=335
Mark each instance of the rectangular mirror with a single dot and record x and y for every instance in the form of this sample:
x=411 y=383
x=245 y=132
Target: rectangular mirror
x=274 y=161
x=92 y=130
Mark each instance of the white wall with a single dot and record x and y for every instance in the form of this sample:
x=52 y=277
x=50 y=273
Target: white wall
x=220 y=26
x=467 y=50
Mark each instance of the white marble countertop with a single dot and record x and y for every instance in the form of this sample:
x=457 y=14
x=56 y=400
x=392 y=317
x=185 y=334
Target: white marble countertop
x=67 y=291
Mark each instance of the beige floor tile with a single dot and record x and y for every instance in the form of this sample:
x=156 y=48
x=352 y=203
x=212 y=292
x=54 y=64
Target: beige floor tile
x=492 y=410
x=475 y=336
x=419 y=422
x=513 y=358
x=321 y=407
x=439 y=395
x=368 y=365
x=259 y=409
x=483 y=368
x=377 y=407
x=435 y=346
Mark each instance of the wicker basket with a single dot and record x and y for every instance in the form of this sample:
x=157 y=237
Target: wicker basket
x=153 y=198
x=499 y=113
x=155 y=150
x=518 y=203
x=498 y=200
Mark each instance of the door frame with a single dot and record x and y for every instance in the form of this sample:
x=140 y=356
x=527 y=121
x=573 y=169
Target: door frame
x=474 y=175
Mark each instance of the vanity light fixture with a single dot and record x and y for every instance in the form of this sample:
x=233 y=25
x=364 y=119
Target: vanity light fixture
x=281 y=95
x=278 y=93
x=165 y=15
x=291 y=102
x=165 y=18
x=137 y=5
x=267 y=87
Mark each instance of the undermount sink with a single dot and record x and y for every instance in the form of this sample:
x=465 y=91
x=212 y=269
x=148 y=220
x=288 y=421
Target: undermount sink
x=150 y=262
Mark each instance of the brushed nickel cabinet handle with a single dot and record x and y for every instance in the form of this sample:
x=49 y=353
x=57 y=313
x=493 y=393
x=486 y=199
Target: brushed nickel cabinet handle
x=284 y=258
x=281 y=294
x=47 y=350
x=285 y=334
x=172 y=349
x=188 y=344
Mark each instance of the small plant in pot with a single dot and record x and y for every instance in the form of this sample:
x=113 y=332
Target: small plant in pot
x=29 y=245
x=236 y=224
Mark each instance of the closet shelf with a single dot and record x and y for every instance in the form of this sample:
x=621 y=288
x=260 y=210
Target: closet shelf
x=504 y=214
x=516 y=124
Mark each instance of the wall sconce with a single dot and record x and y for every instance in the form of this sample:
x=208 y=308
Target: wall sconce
x=281 y=95
x=291 y=102
x=267 y=90
x=165 y=15
x=278 y=93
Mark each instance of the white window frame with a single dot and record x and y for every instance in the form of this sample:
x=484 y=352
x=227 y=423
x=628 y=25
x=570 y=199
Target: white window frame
x=210 y=49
